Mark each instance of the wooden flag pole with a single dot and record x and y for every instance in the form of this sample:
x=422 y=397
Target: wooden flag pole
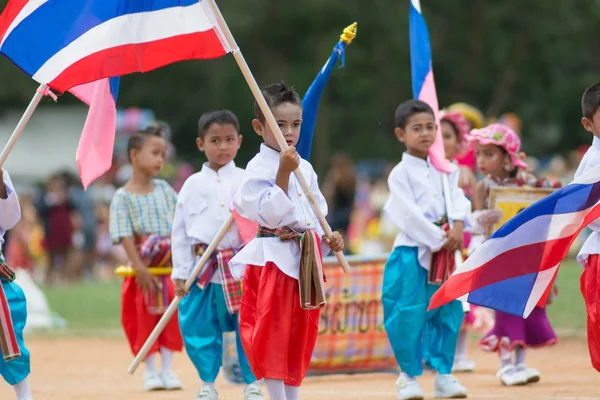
x=239 y=58
x=175 y=303
x=35 y=101
x=458 y=259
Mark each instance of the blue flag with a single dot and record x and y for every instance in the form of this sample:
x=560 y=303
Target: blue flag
x=312 y=98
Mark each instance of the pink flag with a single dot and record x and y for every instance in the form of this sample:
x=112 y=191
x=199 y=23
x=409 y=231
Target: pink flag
x=246 y=227
x=95 y=150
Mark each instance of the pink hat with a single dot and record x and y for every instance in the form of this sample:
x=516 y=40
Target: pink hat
x=459 y=122
x=503 y=136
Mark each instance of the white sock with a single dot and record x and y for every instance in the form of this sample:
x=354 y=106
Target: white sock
x=461 y=346
x=292 y=392
x=208 y=384
x=167 y=360
x=150 y=363
x=519 y=355
x=275 y=388
x=23 y=390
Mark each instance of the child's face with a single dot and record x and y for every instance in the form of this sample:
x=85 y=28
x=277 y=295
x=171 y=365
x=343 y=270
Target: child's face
x=592 y=125
x=220 y=144
x=289 y=119
x=151 y=157
x=450 y=137
x=491 y=159
x=418 y=135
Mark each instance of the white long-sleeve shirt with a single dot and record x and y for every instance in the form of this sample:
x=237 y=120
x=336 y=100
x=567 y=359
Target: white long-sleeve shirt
x=260 y=200
x=10 y=210
x=203 y=205
x=416 y=203
x=592 y=244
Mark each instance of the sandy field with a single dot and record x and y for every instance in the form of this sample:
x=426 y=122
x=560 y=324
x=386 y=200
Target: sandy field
x=88 y=368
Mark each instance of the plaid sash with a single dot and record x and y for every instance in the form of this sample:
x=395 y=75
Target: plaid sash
x=8 y=339
x=442 y=262
x=155 y=251
x=310 y=278
x=219 y=261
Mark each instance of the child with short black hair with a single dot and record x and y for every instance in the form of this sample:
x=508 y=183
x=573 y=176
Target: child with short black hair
x=589 y=256
x=212 y=305
x=279 y=315
x=422 y=258
x=141 y=215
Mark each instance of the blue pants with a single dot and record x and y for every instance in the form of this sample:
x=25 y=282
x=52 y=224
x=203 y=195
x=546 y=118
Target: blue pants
x=405 y=296
x=15 y=370
x=203 y=317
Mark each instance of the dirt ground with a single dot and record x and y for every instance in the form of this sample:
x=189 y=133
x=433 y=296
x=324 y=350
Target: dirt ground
x=84 y=368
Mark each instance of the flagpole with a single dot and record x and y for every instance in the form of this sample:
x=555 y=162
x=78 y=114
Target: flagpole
x=239 y=58
x=166 y=317
x=35 y=101
x=458 y=259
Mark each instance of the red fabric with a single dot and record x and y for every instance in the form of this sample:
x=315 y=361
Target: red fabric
x=590 y=288
x=138 y=323
x=61 y=228
x=278 y=336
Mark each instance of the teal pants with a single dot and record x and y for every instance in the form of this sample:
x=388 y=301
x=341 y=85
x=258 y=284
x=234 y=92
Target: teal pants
x=15 y=370
x=203 y=317
x=405 y=296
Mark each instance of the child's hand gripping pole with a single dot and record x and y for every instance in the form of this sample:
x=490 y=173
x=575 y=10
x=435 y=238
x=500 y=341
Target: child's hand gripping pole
x=458 y=260
x=175 y=303
x=239 y=58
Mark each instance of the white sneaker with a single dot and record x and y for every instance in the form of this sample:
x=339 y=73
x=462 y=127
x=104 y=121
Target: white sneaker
x=447 y=386
x=253 y=392
x=207 y=393
x=170 y=381
x=509 y=376
x=532 y=375
x=152 y=382
x=463 y=365
x=409 y=388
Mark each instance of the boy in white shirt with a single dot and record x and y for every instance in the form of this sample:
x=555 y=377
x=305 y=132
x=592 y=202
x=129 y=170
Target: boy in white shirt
x=422 y=258
x=283 y=281
x=203 y=205
x=14 y=360
x=589 y=256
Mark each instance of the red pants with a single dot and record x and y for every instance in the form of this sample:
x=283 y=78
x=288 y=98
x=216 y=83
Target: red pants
x=590 y=288
x=138 y=324
x=277 y=334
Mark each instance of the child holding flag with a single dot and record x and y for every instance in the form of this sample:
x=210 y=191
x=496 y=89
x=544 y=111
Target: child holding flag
x=279 y=317
x=14 y=364
x=141 y=215
x=422 y=258
x=589 y=256
x=501 y=162
x=203 y=205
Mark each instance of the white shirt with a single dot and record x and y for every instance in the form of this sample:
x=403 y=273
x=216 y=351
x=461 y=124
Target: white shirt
x=203 y=205
x=416 y=202
x=592 y=244
x=260 y=200
x=10 y=210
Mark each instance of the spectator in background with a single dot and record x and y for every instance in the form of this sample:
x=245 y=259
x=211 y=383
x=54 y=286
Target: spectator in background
x=339 y=190
x=18 y=253
x=55 y=211
x=83 y=203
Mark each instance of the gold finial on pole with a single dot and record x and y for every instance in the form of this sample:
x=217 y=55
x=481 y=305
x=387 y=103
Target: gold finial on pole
x=349 y=33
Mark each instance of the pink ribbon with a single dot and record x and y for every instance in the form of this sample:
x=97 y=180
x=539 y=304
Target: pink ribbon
x=45 y=91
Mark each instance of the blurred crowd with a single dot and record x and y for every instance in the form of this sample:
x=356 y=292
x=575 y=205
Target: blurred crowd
x=63 y=236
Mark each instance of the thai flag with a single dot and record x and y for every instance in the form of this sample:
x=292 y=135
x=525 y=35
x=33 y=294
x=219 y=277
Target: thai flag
x=68 y=43
x=514 y=269
x=422 y=78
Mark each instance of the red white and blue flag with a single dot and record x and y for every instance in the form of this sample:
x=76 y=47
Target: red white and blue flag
x=513 y=271
x=422 y=78
x=68 y=43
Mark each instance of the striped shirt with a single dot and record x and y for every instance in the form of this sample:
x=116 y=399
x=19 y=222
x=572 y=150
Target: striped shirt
x=142 y=214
